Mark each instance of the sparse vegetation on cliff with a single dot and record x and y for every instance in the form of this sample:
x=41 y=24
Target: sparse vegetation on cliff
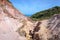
x=46 y=14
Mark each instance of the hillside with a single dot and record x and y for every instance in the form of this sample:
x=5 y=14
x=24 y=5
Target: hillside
x=11 y=20
x=16 y=26
x=46 y=14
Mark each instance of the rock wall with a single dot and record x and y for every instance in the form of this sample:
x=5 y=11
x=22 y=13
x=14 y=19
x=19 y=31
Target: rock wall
x=10 y=21
x=15 y=26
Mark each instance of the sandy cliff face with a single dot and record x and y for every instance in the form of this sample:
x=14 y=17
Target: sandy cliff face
x=15 y=26
x=54 y=27
x=11 y=20
x=47 y=29
x=50 y=29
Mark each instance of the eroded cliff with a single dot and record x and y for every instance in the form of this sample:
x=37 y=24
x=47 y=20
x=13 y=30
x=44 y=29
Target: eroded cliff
x=15 y=26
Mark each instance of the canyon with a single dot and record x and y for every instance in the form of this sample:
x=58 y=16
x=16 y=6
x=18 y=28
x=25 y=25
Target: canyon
x=16 y=26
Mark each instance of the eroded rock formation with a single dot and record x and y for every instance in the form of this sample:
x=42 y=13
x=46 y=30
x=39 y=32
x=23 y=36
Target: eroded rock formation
x=15 y=26
x=54 y=27
x=11 y=20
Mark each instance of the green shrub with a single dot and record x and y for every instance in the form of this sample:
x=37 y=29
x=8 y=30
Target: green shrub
x=46 y=14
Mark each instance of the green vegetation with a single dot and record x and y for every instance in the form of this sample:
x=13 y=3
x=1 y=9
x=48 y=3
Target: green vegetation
x=46 y=14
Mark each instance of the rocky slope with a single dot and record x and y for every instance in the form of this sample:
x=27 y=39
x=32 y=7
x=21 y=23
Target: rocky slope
x=15 y=26
x=49 y=29
x=54 y=27
x=11 y=20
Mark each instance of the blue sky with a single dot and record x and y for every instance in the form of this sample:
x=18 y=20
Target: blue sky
x=29 y=7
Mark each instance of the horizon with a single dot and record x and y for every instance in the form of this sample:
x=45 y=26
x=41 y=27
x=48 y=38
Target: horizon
x=30 y=7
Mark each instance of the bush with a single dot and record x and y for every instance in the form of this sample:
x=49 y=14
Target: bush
x=46 y=14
